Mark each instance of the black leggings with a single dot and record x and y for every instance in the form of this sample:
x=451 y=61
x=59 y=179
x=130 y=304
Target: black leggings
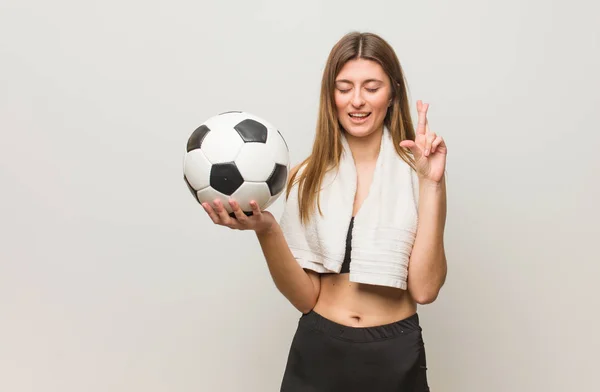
x=329 y=357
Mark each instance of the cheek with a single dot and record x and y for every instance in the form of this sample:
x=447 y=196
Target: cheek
x=381 y=101
x=340 y=102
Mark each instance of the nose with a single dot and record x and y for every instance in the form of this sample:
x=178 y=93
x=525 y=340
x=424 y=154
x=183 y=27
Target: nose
x=357 y=99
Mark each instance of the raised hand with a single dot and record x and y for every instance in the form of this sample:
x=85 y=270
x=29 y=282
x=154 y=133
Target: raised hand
x=259 y=220
x=428 y=148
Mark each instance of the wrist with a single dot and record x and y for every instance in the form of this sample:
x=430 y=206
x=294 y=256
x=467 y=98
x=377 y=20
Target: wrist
x=268 y=229
x=426 y=182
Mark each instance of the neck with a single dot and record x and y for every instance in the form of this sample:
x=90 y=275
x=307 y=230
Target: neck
x=365 y=149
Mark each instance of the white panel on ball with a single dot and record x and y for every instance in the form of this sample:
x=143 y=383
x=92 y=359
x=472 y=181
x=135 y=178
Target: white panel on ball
x=222 y=145
x=278 y=148
x=209 y=194
x=257 y=191
x=272 y=199
x=255 y=162
x=197 y=169
x=226 y=120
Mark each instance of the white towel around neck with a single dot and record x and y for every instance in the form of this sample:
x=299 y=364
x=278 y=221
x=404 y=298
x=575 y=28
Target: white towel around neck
x=384 y=228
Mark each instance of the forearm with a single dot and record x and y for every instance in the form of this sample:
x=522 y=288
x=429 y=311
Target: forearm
x=427 y=265
x=289 y=277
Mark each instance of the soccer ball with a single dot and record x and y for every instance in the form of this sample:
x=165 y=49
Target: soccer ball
x=236 y=155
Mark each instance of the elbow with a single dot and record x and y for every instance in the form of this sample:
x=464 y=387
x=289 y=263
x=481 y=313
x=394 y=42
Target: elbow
x=306 y=306
x=306 y=303
x=426 y=298
x=425 y=292
x=305 y=309
x=425 y=295
x=303 y=304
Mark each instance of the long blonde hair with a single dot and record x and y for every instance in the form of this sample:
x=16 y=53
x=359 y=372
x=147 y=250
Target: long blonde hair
x=327 y=146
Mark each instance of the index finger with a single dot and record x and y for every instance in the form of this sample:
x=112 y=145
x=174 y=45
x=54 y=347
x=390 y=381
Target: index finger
x=422 y=111
x=211 y=213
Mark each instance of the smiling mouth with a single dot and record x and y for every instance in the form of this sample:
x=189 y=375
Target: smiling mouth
x=359 y=116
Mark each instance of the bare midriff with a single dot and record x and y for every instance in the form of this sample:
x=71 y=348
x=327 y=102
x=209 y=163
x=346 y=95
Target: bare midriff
x=362 y=305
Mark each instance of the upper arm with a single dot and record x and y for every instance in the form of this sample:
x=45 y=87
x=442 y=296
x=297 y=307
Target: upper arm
x=314 y=276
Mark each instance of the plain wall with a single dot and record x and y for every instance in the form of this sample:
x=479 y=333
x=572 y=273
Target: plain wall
x=112 y=278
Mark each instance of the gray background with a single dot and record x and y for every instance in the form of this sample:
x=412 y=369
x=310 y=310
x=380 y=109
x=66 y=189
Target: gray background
x=113 y=279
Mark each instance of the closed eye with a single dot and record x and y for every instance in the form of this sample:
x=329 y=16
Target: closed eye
x=372 y=90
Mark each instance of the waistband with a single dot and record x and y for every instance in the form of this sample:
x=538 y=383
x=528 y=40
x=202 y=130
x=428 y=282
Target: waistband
x=317 y=322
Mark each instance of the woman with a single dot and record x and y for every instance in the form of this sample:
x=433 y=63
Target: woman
x=357 y=276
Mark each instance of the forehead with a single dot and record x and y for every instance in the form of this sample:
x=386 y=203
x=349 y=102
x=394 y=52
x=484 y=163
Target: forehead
x=361 y=69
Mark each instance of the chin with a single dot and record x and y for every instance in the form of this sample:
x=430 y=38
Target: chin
x=358 y=130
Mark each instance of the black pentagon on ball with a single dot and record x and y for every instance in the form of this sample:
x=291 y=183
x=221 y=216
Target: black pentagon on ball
x=225 y=178
x=251 y=131
x=191 y=188
x=195 y=140
x=276 y=180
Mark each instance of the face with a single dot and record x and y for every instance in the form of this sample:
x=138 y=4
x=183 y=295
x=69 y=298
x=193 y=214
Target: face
x=362 y=97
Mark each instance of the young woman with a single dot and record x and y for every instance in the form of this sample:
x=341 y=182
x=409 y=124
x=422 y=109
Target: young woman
x=360 y=243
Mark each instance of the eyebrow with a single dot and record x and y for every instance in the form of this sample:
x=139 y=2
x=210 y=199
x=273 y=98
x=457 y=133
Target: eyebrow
x=366 y=81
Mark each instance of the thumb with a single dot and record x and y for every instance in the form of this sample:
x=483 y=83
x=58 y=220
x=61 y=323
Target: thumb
x=410 y=144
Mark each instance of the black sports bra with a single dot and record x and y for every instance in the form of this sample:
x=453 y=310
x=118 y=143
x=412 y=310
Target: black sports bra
x=346 y=263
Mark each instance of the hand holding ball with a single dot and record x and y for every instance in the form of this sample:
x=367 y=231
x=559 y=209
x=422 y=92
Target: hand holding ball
x=239 y=156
